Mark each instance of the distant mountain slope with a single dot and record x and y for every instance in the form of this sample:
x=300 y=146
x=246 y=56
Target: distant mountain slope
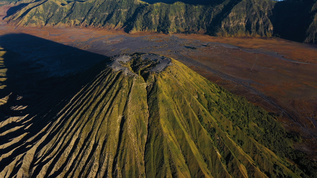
x=226 y=17
x=136 y=116
x=290 y=19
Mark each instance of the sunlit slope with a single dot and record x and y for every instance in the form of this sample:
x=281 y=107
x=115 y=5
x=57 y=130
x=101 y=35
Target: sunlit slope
x=289 y=19
x=218 y=17
x=147 y=116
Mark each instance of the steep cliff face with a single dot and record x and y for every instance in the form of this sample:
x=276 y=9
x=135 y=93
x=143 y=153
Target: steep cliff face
x=234 y=17
x=249 y=17
x=140 y=115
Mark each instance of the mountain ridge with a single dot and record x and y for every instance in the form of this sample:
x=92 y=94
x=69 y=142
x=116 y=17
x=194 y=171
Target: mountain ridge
x=135 y=16
x=219 y=18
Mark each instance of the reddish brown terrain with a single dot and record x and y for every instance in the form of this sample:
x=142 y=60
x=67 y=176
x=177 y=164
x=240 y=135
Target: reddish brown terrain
x=279 y=75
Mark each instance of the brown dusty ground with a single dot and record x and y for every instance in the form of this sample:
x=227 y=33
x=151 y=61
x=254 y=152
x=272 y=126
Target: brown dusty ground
x=277 y=74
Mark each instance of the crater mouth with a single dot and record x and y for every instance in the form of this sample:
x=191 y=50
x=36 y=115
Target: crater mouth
x=140 y=63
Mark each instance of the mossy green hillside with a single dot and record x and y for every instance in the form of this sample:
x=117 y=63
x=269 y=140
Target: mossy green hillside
x=227 y=17
x=151 y=116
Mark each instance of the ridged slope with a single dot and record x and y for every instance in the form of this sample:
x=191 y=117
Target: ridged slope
x=223 y=17
x=248 y=17
x=290 y=19
x=145 y=115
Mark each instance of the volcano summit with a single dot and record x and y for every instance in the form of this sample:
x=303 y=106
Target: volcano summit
x=140 y=115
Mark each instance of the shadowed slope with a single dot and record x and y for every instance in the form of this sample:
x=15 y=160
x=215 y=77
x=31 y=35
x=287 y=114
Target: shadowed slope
x=33 y=87
x=139 y=115
x=291 y=19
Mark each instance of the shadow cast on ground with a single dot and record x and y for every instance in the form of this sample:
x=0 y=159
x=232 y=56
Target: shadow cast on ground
x=15 y=9
x=291 y=19
x=41 y=77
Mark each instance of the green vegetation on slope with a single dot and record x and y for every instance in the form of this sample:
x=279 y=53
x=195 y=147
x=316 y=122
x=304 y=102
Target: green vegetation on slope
x=227 y=17
x=290 y=19
x=135 y=119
